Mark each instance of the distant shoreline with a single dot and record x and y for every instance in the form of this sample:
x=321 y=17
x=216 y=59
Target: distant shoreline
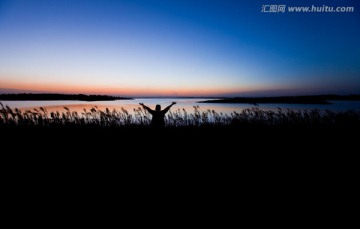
x=52 y=97
x=316 y=99
x=313 y=99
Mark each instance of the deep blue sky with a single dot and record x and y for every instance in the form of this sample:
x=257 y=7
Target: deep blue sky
x=178 y=47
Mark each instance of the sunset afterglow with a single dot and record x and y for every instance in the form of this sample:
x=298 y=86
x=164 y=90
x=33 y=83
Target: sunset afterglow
x=177 y=48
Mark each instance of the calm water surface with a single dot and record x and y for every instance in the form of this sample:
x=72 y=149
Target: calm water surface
x=187 y=104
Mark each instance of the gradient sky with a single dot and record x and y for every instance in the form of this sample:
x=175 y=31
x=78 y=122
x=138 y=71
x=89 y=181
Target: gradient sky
x=178 y=47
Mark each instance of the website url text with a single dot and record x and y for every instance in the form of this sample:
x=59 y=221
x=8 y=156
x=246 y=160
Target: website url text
x=306 y=9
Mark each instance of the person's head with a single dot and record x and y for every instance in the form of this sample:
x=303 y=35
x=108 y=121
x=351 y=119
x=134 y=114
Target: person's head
x=158 y=108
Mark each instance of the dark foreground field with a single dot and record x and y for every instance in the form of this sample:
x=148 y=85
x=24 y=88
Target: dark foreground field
x=254 y=156
x=203 y=138
x=241 y=139
x=234 y=138
x=252 y=129
x=285 y=167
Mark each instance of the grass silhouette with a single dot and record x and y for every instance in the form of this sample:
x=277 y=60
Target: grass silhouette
x=253 y=117
x=202 y=134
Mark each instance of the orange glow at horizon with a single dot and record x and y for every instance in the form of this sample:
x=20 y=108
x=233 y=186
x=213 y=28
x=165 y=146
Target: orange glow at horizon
x=122 y=91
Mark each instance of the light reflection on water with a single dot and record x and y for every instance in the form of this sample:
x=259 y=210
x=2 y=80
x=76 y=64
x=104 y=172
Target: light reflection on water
x=187 y=104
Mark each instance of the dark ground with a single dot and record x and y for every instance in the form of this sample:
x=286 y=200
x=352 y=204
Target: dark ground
x=254 y=169
x=183 y=140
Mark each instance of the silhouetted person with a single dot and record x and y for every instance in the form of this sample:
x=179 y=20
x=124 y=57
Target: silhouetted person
x=158 y=115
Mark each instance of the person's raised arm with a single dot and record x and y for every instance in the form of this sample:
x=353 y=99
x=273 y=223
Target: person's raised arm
x=168 y=107
x=146 y=108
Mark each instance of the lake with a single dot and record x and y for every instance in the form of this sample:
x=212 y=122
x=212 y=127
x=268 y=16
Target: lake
x=182 y=103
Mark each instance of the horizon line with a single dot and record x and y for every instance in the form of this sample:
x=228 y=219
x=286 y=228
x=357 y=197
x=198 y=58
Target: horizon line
x=182 y=97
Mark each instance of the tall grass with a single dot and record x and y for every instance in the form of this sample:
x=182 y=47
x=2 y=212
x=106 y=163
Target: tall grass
x=177 y=118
